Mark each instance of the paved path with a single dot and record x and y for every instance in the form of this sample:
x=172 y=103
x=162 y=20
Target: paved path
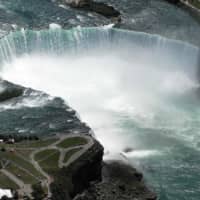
x=26 y=188
x=62 y=151
x=13 y=178
x=48 y=180
x=76 y=155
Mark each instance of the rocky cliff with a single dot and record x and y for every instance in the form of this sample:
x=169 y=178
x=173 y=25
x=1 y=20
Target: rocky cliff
x=79 y=175
x=89 y=178
x=120 y=182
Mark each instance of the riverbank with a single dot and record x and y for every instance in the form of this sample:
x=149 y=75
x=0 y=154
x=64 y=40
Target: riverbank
x=67 y=165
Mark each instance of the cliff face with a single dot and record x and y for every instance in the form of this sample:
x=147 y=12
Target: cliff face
x=120 y=182
x=89 y=178
x=78 y=176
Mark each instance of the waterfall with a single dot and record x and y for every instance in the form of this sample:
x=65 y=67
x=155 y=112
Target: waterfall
x=134 y=89
x=82 y=40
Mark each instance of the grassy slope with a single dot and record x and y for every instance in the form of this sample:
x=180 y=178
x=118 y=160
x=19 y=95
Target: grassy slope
x=70 y=153
x=70 y=142
x=20 y=164
x=6 y=183
x=50 y=163
x=31 y=144
x=26 y=177
x=13 y=157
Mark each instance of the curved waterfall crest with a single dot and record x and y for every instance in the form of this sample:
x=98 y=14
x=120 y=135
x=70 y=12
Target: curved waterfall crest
x=58 y=41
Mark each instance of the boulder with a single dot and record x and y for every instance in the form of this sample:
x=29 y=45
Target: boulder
x=173 y=1
x=9 y=91
x=104 y=9
x=98 y=7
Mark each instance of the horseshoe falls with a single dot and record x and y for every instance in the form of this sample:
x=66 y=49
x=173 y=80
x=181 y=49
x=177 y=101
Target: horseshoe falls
x=135 y=90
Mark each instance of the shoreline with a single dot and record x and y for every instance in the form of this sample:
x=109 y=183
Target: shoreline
x=86 y=175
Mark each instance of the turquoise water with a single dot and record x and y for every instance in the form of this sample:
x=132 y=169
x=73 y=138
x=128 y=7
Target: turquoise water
x=134 y=89
x=151 y=16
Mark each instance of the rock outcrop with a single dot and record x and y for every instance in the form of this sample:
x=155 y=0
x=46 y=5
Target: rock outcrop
x=98 y=7
x=9 y=91
x=78 y=176
x=120 y=182
x=174 y=1
x=89 y=178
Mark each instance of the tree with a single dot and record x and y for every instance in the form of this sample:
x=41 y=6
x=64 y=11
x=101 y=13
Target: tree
x=38 y=192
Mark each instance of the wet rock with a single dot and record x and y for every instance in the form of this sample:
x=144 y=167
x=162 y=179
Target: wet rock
x=173 y=1
x=120 y=182
x=9 y=91
x=139 y=176
x=98 y=7
x=127 y=150
x=122 y=187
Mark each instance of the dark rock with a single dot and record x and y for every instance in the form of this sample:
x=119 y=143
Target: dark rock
x=119 y=183
x=9 y=91
x=104 y=9
x=139 y=176
x=77 y=177
x=173 y=1
x=98 y=7
x=127 y=150
x=122 y=187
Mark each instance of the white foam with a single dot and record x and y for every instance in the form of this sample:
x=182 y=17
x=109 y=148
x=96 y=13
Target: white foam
x=14 y=26
x=107 y=86
x=108 y=26
x=142 y=153
x=54 y=26
x=81 y=18
x=62 y=6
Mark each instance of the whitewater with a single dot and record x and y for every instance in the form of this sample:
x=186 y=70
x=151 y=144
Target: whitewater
x=135 y=90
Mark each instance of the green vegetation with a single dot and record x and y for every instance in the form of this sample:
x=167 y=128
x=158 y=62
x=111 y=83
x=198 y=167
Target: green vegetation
x=25 y=153
x=71 y=142
x=13 y=157
x=36 y=144
x=17 y=160
x=23 y=175
x=70 y=153
x=50 y=163
x=31 y=144
x=6 y=183
x=42 y=155
x=38 y=192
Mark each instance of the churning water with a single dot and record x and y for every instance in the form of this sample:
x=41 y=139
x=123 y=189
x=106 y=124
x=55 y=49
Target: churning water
x=134 y=89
